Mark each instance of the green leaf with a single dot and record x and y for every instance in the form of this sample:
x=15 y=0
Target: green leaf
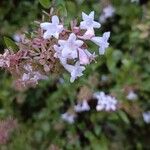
x=124 y=117
x=11 y=44
x=45 y=3
x=113 y=56
x=62 y=10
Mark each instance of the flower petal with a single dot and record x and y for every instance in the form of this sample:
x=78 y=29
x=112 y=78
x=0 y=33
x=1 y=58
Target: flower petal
x=55 y=20
x=45 y=25
x=96 y=24
x=91 y=15
x=47 y=35
x=84 y=16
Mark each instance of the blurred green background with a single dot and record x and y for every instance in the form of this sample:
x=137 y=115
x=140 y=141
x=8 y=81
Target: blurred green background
x=125 y=67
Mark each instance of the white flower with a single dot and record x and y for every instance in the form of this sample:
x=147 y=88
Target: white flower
x=82 y=107
x=17 y=37
x=75 y=71
x=88 y=22
x=68 y=117
x=135 y=1
x=105 y=102
x=85 y=57
x=104 y=77
x=132 y=96
x=146 y=116
x=52 y=29
x=107 y=13
x=70 y=46
x=102 y=42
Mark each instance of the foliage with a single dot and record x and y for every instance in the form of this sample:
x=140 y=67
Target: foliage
x=124 y=68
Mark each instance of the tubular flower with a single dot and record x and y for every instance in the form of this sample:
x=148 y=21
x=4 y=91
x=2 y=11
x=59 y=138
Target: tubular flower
x=52 y=29
x=102 y=42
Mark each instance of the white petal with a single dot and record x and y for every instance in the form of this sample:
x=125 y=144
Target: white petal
x=47 y=35
x=83 y=25
x=61 y=42
x=72 y=79
x=65 y=52
x=101 y=50
x=96 y=24
x=106 y=35
x=45 y=25
x=72 y=37
x=69 y=68
x=96 y=40
x=84 y=16
x=99 y=107
x=60 y=28
x=55 y=20
x=78 y=43
x=91 y=15
x=56 y=35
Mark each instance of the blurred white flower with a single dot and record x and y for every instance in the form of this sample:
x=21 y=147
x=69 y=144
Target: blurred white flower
x=88 y=22
x=132 y=96
x=104 y=77
x=83 y=106
x=108 y=12
x=17 y=37
x=70 y=46
x=68 y=117
x=105 y=102
x=52 y=29
x=102 y=42
x=61 y=81
x=135 y=1
x=75 y=71
x=31 y=75
x=146 y=116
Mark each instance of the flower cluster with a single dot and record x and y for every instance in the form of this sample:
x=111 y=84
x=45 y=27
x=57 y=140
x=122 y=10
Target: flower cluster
x=6 y=128
x=52 y=46
x=105 y=102
x=74 y=48
x=82 y=106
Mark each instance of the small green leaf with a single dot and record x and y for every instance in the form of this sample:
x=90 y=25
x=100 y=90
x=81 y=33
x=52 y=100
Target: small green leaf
x=124 y=117
x=45 y=3
x=11 y=44
x=62 y=10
